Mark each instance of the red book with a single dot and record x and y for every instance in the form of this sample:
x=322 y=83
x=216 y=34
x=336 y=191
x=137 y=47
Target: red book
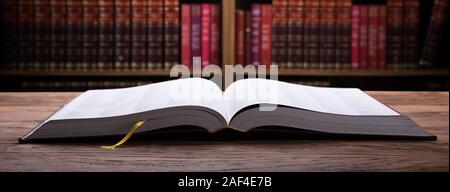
x=90 y=35
x=373 y=37
x=363 y=36
x=355 y=36
x=280 y=32
x=171 y=33
x=196 y=30
x=206 y=34
x=256 y=34
x=215 y=34
x=240 y=30
x=327 y=33
x=382 y=36
x=312 y=35
x=138 y=34
x=343 y=34
x=266 y=34
x=186 y=58
x=248 y=38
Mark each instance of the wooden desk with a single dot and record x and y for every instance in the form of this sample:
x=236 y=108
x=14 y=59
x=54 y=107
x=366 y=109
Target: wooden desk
x=20 y=112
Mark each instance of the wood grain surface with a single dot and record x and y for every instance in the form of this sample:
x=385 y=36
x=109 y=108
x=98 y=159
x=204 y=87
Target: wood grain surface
x=20 y=112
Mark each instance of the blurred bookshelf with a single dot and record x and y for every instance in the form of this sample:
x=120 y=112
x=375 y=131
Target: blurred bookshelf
x=418 y=78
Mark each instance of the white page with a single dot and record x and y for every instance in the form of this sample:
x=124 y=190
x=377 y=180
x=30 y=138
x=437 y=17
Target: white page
x=341 y=101
x=118 y=102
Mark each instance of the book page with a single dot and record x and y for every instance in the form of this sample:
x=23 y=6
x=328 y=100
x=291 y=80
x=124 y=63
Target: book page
x=118 y=102
x=341 y=101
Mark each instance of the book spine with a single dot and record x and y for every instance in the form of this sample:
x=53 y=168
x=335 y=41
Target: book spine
x=295 y=34
x=196 y=29
x=240 y=35
x=138 y=34
x=155 y=34
x=215 y=35
x=363 y=36
x=381 y=36
x=394 y=33
x=411 y=33
x=58 y=27
x=248 y=38
x=312 y=33
x=26 y=33
x=266 y=35
x=42 y=35
x=356 y=36
x=256 y=34
x=206 y=34
x=89 y=35
x=327 y=34
x=373 y=37
x=8 y=11
x=434 y=33
x=122 y=34
x=280 y=29
x=74 y=34
x=106 y=35
x=186 y=35
x=343 y=55
x=171 y=33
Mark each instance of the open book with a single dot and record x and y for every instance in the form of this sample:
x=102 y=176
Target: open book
x=244 y=106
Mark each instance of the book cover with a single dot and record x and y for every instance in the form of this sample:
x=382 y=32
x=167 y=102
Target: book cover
x=155 y=34
x=363 y=36
x=256 y=34
x=106 y=32
x=411 y=33
x=196 y=30
x=186 y=58
x=312 y=33
x=171 y=33
x=381 y=36
x=206 y=34
x=89 y=34
x=372 y=53
x=58 y=28
x=327 y=34
x=240 y=34
x=343 y=34
x=74 y=34
x=394 y=34
x=266 y=34
x=216 y=21
x=42 y=26
x=122 y=34
x=355 y=36
x=434 y=33
x=138 y=57
x=280 y=29
x=295 y=35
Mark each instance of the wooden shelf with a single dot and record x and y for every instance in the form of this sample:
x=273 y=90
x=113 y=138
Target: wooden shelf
x=282 y=73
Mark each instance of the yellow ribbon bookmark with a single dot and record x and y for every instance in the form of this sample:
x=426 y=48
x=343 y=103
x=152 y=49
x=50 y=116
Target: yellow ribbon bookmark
x=129 y=134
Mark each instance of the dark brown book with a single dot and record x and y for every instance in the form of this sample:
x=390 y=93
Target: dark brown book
x=89 y=35
x=312 y=33
x=138 y=34
x=327 y=34
x=42 y=35
x=26 y=32
x=411 y=33
x=343 y=34
x=155 y=34
x=295 y=36
x=394 y=34
x=122 y=33
x=280 y=29
x=171 y=33
x=106 y=35
x=74 y=34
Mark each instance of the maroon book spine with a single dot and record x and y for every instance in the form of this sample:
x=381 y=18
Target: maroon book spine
x=206 y=34
x=89 y=35
x=256 y=34
x=373 y=37
x=434 y=33
x=355 y=36
x=186 y=35
x=42 y=35
x=363 y=36
x=327 y=34
x=295 y=35
x=394 y=33
x=155 y=34
x=240 y=36
x=74 y=34
x=280 y=29
x=312 y=33
x=8 y=12
x=122 y=41
x=106 y=35
x=196 y=29
x=381 y=37
x=26 y=31
x=58 y=47
x=171 y=33
x=248 y=38
x=343 y=51
x=215 y=56
x=138 y=34
x=266 y=35
x=411 y=33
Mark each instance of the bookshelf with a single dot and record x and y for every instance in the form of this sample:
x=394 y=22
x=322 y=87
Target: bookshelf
x=370 y=79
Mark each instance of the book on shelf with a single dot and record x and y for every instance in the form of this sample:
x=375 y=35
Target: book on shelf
x=161 y=106
x=156 y=31
x=240 y=38
x=327 y=45
x=122 y=32
x=343 y=51
x=280 y=27
x=89 y=35
x=292 y=36
x=394 y=34
x=139 y=39
x=171 y=33
x=106 y=30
